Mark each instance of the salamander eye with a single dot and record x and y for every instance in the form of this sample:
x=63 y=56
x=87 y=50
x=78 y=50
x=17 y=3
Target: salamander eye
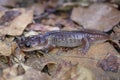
x=27 y=44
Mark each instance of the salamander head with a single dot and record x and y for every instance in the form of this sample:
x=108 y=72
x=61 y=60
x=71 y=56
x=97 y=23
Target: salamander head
x=32 y=43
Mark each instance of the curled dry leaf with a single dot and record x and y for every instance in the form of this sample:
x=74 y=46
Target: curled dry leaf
x=116 y=34
x=109 y=63
x=98 y=16
x=7 y=48
x=116 y=45
x=76 y=72
x=19 y=56
x=35 y=75
x=9 y=73
x=39 y=62
x=31 y=33
x=60 y=69
x=41 y=27
x=30 y=74
x=17 y=25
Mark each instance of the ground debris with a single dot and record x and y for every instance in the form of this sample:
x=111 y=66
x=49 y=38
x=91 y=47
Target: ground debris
x=109 y=63
x=21 y=19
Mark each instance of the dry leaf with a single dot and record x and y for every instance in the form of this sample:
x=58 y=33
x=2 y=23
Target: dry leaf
x=9 y=73
x=17 y=25
x=37 y=8
x=77 y=72
x=95 y=53
x=38 y=62
x=116 y=33
x=7 y=48
x=7 y=2
x=98 y=16
x=34 y=74
x=31 y=33
x=30 y=74
x=109 y=63
x=60 y=21
x=41 y=27
x=8 y=16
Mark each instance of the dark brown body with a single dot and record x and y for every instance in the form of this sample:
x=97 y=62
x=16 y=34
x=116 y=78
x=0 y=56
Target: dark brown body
x=82 y=38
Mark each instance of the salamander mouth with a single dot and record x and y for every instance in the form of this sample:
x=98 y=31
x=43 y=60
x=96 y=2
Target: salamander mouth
x=38 y=47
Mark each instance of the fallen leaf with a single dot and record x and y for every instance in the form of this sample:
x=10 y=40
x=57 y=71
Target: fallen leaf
x=17 y=25
x=62 y=23
x=31 y=33
x=30 y=74
x=41 y=27
x=95 y=53
x=109 y=63
x=7 y=2
x=34 y=74
x=77 y=72
x=7 y=48
x=116 y=33
x=9 y=73
x=8 y=16
x=38 y=8
x=98 y=16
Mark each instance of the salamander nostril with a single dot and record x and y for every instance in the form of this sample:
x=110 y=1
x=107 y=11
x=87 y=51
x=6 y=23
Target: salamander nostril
x=27 y=44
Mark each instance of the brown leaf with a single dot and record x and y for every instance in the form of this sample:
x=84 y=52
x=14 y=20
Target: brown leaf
x=77 y=72
x=38 y=8
x=41 y=27
x=9 y=16
x=7 y=48
x=98 y=16
x=30 y=74
x=17 y=25
x=60 y=21
x=7 y=2
x=116 y=34
x=109 y=63
x=95 y=53
x=35 y=75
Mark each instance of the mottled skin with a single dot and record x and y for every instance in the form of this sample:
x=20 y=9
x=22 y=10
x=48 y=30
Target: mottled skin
x=51 y=39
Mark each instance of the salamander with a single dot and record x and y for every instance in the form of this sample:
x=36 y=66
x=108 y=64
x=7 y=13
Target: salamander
x=83 y=38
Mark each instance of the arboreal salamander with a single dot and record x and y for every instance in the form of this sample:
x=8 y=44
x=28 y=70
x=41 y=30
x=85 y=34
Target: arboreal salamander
x=52 y=39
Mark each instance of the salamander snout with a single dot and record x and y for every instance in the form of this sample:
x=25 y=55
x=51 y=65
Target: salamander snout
x=28 y=42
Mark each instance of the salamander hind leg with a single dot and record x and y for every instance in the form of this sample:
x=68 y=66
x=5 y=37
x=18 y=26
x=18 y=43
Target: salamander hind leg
x=85 y=45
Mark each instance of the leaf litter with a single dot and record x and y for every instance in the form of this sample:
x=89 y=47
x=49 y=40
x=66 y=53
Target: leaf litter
x=18 y=21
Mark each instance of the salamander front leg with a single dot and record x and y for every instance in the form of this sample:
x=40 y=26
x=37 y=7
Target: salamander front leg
x=48 y=48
